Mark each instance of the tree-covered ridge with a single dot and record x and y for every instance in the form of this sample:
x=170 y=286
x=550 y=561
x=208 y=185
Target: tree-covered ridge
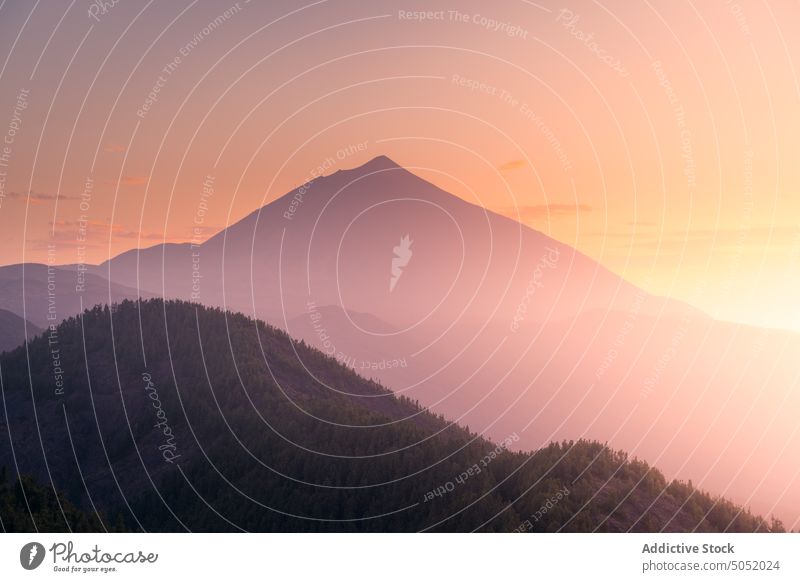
x=184 y=417
x=26 y=507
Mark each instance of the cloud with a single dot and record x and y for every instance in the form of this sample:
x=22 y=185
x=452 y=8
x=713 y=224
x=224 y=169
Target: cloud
x=129 y=181
x=540 y=211
x=512 y=165
x=756 y=237
x=114 y=148
x=96 y=233
x=39 y=197
x=134 y=180
x=642 y=223
x=758 y=240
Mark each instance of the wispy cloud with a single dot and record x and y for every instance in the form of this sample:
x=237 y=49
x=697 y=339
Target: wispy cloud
x=97 y=233
x=512 y=165
x=134 y=180
x=39 y=197
x=758 y=239
x=114 y=148
x=642 y=223
x=543 y=211
x=129 y=181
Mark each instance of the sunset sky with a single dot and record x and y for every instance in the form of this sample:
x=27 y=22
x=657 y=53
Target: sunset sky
x=659 y=139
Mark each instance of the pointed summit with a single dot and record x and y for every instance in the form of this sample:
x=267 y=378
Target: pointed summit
x=377 y=164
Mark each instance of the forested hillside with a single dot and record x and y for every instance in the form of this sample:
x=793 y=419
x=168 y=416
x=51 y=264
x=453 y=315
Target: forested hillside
x=175 y=417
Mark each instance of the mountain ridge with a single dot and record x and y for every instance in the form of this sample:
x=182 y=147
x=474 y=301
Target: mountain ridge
x=14 y=330
x=497 y=326
x=246 y=457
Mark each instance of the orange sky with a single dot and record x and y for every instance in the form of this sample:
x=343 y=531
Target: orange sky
x=658 y=139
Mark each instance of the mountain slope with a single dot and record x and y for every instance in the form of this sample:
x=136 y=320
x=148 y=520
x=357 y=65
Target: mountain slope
x=14 y=330
x=183 y=417
x=331 y=241
x=501 y=327
x=26 y=506
x=55 y=293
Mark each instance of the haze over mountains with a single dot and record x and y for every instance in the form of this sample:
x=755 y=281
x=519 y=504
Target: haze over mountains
x=177 y=417
x=45 y=294
x=331 y=241
x=490 y=323
x=14 y=330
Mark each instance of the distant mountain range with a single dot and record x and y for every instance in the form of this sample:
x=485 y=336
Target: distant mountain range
x=208 y=421
x=485 y=321
x=14 y=330
x=45 y=295
x=331 y=241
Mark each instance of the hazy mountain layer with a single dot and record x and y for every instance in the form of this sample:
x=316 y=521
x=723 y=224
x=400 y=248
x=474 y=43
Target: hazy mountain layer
x=176 y=416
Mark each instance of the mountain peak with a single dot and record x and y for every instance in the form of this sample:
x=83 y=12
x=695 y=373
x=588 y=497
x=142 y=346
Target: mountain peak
x=377 y=164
